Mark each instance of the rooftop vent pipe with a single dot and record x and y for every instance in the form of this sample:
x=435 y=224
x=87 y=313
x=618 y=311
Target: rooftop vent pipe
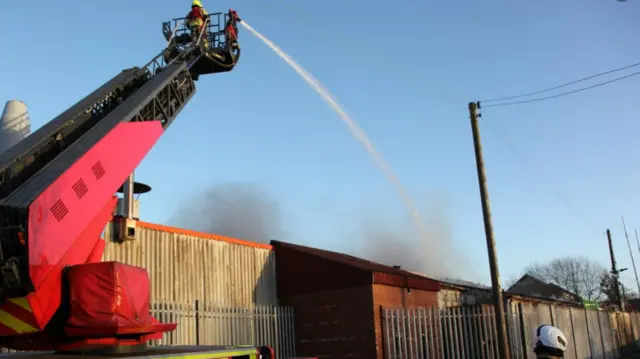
x=127 y=214
x=14 y=124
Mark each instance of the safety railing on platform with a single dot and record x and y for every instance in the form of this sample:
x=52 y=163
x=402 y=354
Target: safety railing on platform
x=470 y=332
x=214 y=28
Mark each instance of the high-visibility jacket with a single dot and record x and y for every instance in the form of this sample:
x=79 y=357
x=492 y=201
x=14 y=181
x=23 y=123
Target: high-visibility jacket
x=196 y=17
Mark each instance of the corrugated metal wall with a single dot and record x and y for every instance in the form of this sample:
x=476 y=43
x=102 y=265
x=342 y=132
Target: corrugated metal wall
x=186 y=266
x=469 y=332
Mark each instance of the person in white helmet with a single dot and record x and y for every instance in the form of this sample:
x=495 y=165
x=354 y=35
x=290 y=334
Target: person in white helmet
x=549 y=342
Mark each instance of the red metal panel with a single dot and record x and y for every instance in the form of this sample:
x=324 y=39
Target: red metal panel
x=97 y=252
x=46 y=298
x=63 y=223
x=424 y=283
x=336 y=323
x=389 y=279
x=304 y=270
x=299 y=273
x=414 y=282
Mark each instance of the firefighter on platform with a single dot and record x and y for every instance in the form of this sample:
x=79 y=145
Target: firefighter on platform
x=196 y=22
x=231 y=28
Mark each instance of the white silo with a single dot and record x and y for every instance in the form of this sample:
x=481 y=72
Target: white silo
x=14 y=124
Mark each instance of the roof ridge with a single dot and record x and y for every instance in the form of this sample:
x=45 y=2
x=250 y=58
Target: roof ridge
x=346 y=257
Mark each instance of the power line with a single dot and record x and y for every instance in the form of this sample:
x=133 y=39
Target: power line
x=542 y=180
x=563 y=85
x=564 y=93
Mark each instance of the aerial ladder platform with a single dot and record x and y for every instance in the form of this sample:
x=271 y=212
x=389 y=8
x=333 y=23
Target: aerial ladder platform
x=57 y=194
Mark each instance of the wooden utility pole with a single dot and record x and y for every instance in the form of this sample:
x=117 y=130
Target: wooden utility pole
x=633 y=262
x=501 y=324
x=614 y=270
x=638 y=242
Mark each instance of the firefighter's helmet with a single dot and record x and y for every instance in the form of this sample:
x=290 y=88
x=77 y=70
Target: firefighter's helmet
x=549 y=340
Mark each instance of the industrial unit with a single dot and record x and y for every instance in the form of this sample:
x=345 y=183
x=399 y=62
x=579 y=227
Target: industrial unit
x=185 y=266
x=221 y=290
x=338 y=298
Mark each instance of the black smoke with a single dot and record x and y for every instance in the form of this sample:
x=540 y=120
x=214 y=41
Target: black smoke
x=238 y=210
x=396 y=242
x=246 y=211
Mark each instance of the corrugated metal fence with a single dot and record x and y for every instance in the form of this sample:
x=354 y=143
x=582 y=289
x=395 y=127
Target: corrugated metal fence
x=469 y=332
x=200 y=324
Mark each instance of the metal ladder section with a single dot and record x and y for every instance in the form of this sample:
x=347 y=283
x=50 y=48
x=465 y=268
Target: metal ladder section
x=156 y=92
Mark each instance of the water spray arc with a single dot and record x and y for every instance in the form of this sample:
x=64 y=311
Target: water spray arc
x=355 y=129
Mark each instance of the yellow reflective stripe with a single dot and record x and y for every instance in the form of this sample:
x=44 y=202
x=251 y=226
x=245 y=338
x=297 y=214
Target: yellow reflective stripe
x=22 y=302
x=211 y=355
x=15 y=324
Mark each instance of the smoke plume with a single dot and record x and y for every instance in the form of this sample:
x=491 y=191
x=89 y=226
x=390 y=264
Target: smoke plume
x=237 y=210
x=433 y=254
x=245 y=211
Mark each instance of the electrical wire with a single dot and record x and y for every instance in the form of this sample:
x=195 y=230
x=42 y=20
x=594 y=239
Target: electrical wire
x=542 y=180
x=563 y=85
x=562 y=94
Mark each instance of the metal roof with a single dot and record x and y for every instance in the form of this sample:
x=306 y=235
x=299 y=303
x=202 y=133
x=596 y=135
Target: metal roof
x=464 y=284
x=215 y=237
x=534 y=287
x=390 y=275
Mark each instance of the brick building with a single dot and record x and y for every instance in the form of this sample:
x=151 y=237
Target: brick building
x=338 y=298
x=530 y=286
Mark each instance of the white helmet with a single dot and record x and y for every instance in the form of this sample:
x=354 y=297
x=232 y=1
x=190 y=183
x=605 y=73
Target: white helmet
x=549 y=340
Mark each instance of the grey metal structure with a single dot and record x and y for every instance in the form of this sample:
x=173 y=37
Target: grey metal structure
x=15 y=124
x=186 y=266
x=30 y=154
x=160 y=98
x=158 y=91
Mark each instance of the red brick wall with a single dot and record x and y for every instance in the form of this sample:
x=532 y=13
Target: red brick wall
x=334 y=324
x=385 y=296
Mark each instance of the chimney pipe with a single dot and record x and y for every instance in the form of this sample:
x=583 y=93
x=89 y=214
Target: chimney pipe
x=125 y=223
x=128 y=214
x=127 y=198
x=397 y=267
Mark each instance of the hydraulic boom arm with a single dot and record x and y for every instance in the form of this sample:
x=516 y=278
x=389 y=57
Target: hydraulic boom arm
x=57 y=185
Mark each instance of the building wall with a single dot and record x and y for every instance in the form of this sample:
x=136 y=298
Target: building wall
x=544 y=311
x=449 y=298
x=302 y=273
x=334 y=324
x=395 y=297
x=185 y=266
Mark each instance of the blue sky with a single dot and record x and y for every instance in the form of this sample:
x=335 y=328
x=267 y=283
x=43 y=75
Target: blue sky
x=405 y=71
